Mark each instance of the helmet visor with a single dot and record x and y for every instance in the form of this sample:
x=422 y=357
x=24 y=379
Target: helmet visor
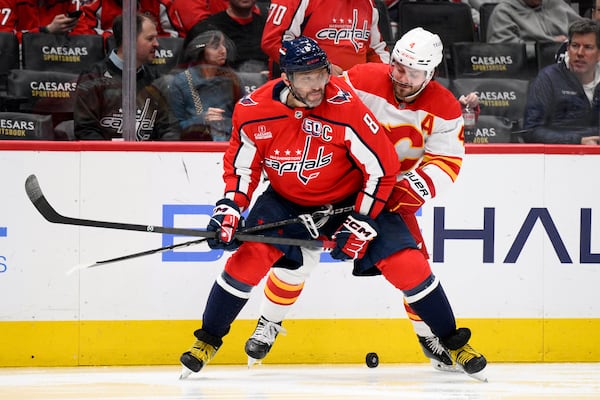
x=407 y=76
x=310 y=79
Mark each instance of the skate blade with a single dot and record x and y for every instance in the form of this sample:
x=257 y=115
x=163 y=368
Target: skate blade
x=252 y=361
x=439 y=366
x=185 y=372
x=480 y=376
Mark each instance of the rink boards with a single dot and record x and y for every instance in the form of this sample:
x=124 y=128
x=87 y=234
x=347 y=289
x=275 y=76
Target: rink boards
x=515 y=242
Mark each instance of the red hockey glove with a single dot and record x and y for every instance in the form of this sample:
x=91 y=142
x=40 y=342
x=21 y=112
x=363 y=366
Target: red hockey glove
x=353 y=237
x=404 y=199
x=224 y=221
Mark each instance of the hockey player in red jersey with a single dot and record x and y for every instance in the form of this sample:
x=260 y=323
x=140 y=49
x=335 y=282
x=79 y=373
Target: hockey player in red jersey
x=346 y=30
x=423 y=120
x=318 y=145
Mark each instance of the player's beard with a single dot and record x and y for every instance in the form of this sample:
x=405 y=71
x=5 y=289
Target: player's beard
x=311 y=99
x=314 y=98
x=402 y=91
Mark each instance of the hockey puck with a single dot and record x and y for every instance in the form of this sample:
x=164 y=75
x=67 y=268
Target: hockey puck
x=372 y=360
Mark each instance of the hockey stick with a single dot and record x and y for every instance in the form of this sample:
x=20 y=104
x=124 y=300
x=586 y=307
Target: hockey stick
x=308 y=220
x=38 y=199
x=253 y=229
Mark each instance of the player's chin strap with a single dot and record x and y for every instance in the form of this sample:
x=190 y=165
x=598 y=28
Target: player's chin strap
x=297 y=97
x=312 y=222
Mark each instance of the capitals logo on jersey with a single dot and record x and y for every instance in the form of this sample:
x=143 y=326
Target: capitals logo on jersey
x=247 y=101
x=347 y=30
x=341 y=96
x=299 y=163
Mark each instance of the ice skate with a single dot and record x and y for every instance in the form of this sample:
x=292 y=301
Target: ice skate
x=465 y=357
x=199 y=354
x=438 y=355
x=261 y=341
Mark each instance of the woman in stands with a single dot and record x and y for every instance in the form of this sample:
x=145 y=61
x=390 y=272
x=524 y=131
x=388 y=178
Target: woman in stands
x=202 y=97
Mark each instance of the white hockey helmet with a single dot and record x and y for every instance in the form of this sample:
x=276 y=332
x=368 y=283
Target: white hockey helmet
x=419 y=49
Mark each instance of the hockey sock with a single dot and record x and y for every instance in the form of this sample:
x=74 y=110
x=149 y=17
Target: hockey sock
x=420 y=327
x=279 y=296
x=429 y=301
x=225 y=301
x=284 y=285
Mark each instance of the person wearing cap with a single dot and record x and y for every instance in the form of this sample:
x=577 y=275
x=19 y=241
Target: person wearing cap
x=321 y=149
x=424 y=122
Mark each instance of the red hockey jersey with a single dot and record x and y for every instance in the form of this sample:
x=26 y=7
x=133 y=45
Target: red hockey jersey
x=184 y=14
x=346 y=30
x=427 y=133
x=51 y=8
x=18 y=16
x=312 y=156
x=98 y=17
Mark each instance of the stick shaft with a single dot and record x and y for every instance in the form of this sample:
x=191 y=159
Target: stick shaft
x=40 y=202
x=187 y=244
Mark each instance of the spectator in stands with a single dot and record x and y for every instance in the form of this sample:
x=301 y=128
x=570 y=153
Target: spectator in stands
x=203 y=96
x=563 y=102
x=244 y=26
x=31 y=16
x=595 y=10
x=530 y=21
x=56 y=17
x=593 y=13
x=98 y=17
x=346 y=30
x=98 y=111
x=188 y=13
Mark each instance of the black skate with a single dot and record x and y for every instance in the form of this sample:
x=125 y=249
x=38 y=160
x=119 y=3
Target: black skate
x=202 y=351
x=261 y=341
x=438 y=355
x=469 y=360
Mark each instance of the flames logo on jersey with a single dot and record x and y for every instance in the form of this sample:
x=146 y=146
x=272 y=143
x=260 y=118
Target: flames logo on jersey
x=342 y=96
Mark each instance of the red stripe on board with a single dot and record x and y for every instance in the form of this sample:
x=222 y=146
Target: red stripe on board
x=101 y=145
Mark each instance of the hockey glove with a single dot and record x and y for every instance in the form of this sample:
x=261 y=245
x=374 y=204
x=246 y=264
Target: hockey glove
x=353 y=237
x=404 y=199
x=224 y=221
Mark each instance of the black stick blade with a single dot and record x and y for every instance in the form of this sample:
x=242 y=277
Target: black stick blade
x=34 y=191
x=32 y=187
